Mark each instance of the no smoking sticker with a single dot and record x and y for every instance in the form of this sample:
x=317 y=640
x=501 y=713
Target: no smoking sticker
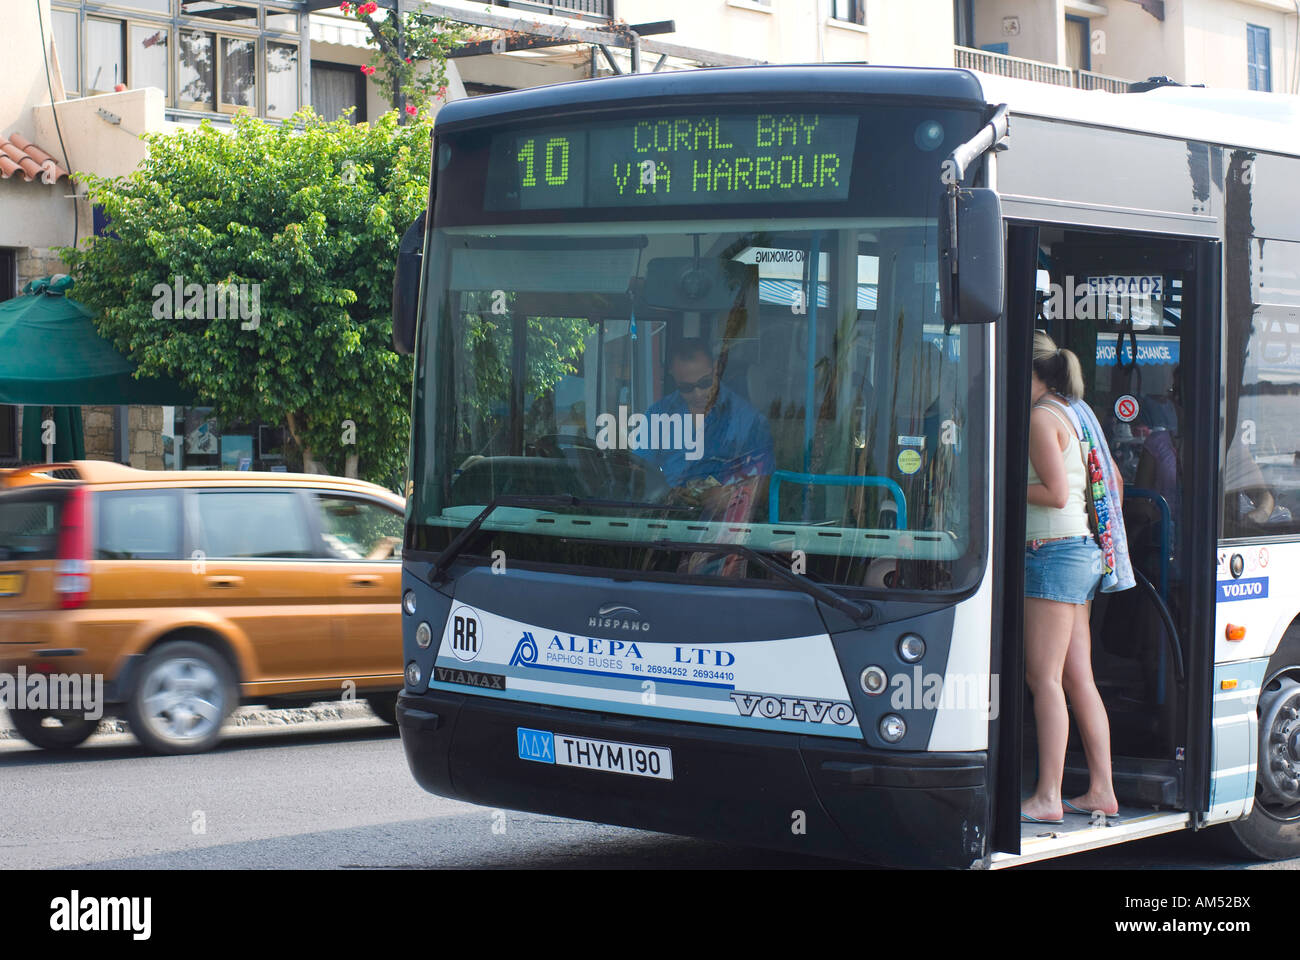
x=1126 y=408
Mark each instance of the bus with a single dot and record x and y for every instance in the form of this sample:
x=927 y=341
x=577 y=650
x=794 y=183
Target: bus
x=719 y=445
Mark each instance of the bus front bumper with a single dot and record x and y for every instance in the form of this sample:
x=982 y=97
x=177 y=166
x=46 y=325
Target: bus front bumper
x=810 y=795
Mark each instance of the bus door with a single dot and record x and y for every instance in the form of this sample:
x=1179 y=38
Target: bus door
x=1140 y=313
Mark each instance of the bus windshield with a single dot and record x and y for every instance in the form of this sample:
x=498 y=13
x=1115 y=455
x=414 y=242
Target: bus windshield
x=782 y=383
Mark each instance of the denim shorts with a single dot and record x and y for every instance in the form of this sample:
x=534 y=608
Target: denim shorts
x=1067 y=571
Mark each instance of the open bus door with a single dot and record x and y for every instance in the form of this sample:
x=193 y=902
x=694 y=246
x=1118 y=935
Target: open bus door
x=1141 y=314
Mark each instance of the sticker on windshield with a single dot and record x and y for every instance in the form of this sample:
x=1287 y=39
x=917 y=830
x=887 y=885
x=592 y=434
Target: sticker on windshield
x=909 y=461
x=1126 y=408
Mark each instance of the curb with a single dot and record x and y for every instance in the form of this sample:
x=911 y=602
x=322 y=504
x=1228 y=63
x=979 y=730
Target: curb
x=245 y=717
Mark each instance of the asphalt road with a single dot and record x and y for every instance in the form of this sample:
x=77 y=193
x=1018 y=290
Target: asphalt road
x=339 y=795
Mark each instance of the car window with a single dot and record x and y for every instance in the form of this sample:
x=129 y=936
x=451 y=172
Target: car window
x=252 y=524
x=29 y=523
x=360 y=529
x=138 y=525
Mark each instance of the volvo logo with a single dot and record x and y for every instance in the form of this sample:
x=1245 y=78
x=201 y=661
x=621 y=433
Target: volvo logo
x=617 y=616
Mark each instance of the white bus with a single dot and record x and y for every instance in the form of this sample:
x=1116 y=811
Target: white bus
x=719 y=454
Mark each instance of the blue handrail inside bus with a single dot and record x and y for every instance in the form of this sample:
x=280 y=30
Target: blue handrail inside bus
x=834 y=480
x=1166 y=523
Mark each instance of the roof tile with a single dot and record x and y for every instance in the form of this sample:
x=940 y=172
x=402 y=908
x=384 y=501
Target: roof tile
x=19 y=155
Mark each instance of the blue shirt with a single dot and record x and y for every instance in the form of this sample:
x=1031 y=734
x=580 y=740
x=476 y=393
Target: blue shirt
x=737 y=441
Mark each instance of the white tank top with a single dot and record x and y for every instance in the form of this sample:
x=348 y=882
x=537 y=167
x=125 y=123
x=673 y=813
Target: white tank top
x=1049 y=523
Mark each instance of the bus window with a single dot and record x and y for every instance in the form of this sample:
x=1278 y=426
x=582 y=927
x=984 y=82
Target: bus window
x=739 y=377
x=1261 y=466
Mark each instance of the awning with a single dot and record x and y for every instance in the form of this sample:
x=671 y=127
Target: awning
x=50 y=353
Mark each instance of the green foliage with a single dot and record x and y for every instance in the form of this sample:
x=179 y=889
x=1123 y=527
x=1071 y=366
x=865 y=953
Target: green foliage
x=553 y=350
x=313 y=213
x=401 y=57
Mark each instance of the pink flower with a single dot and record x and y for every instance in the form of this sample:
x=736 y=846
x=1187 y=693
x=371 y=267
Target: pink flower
x=367 y=69
x=345 y=7
x=442 y=93
x=412 y=109
x=408 y=59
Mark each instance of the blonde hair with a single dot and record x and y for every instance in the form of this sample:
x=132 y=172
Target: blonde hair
x=1057 y=367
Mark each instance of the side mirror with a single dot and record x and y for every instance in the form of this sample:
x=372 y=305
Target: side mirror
x=973 y=291
x=406 y=286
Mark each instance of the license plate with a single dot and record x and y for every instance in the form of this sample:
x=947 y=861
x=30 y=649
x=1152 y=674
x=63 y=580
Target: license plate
x=543 y=746
x=11 y=584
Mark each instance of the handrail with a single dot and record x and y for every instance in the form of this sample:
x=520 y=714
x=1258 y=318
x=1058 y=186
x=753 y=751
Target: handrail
x=1166 y=522
x=1005 y=65
x=1161 y=596
x=1039 y=71
x=833 y=480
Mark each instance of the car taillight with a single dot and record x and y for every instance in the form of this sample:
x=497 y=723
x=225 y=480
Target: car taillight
x=72 y=561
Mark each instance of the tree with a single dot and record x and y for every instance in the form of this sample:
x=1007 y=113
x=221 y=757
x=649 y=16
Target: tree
x=281 y=240
x=410 y=58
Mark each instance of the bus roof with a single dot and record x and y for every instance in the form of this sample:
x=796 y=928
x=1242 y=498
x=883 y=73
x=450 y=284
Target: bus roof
x=1240 y=118
x=749 y=82
x=1262 y=121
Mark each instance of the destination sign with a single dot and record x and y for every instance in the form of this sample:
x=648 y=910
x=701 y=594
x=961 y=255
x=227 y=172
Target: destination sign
x=749 y=158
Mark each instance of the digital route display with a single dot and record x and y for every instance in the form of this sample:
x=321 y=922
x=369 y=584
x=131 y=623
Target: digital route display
x=751 y=158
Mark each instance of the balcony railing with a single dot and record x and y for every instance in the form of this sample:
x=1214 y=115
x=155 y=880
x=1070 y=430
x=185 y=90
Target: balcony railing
x=1087 y=80
x=1002 y=65
x=585 y=9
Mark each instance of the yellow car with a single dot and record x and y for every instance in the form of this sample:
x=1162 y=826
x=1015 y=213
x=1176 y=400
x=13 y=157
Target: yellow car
x=171 y=597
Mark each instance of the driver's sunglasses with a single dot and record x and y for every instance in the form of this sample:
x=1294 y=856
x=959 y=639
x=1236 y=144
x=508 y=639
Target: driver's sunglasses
x=704 y=383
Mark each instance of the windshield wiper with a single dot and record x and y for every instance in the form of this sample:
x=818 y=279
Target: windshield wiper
x=799 y=581
x=462 y=539
x=826 y=595
x=853 y=611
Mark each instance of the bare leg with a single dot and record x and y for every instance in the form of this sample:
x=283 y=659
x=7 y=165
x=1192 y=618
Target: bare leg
x=1047 y=638
x=1090 y=713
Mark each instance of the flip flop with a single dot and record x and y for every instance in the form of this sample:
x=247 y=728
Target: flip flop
x=1087 y=813
x=1026 y=818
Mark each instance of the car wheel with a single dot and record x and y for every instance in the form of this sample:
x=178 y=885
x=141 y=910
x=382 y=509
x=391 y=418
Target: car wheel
x=384 y=706
x=64 y=732
x=183 y=693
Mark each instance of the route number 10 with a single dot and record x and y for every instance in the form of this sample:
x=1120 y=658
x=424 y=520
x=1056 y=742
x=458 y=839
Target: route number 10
x=555 y=162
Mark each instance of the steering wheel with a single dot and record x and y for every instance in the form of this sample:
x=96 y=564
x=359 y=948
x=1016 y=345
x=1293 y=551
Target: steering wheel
x=617 y=470
x=549 y=445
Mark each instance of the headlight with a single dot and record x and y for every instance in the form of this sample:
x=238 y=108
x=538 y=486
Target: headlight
x=412 y=674
x=423 y=635
x=892 y=728
x=911 y=647
x=874 y=680
x=408 y=603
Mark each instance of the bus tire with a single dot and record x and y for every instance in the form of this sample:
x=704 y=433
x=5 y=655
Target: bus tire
x=183 y=693
x=1272 y=831
x=70 y=733
x=384 y=706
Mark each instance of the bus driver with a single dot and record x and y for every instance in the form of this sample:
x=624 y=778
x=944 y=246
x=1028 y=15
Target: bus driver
x=737 y=454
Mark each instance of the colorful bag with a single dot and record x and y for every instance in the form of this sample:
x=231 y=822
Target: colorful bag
x=1100 y=516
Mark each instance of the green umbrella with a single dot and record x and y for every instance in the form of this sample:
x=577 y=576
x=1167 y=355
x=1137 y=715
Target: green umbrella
x=51 y=354
x=69 y=440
